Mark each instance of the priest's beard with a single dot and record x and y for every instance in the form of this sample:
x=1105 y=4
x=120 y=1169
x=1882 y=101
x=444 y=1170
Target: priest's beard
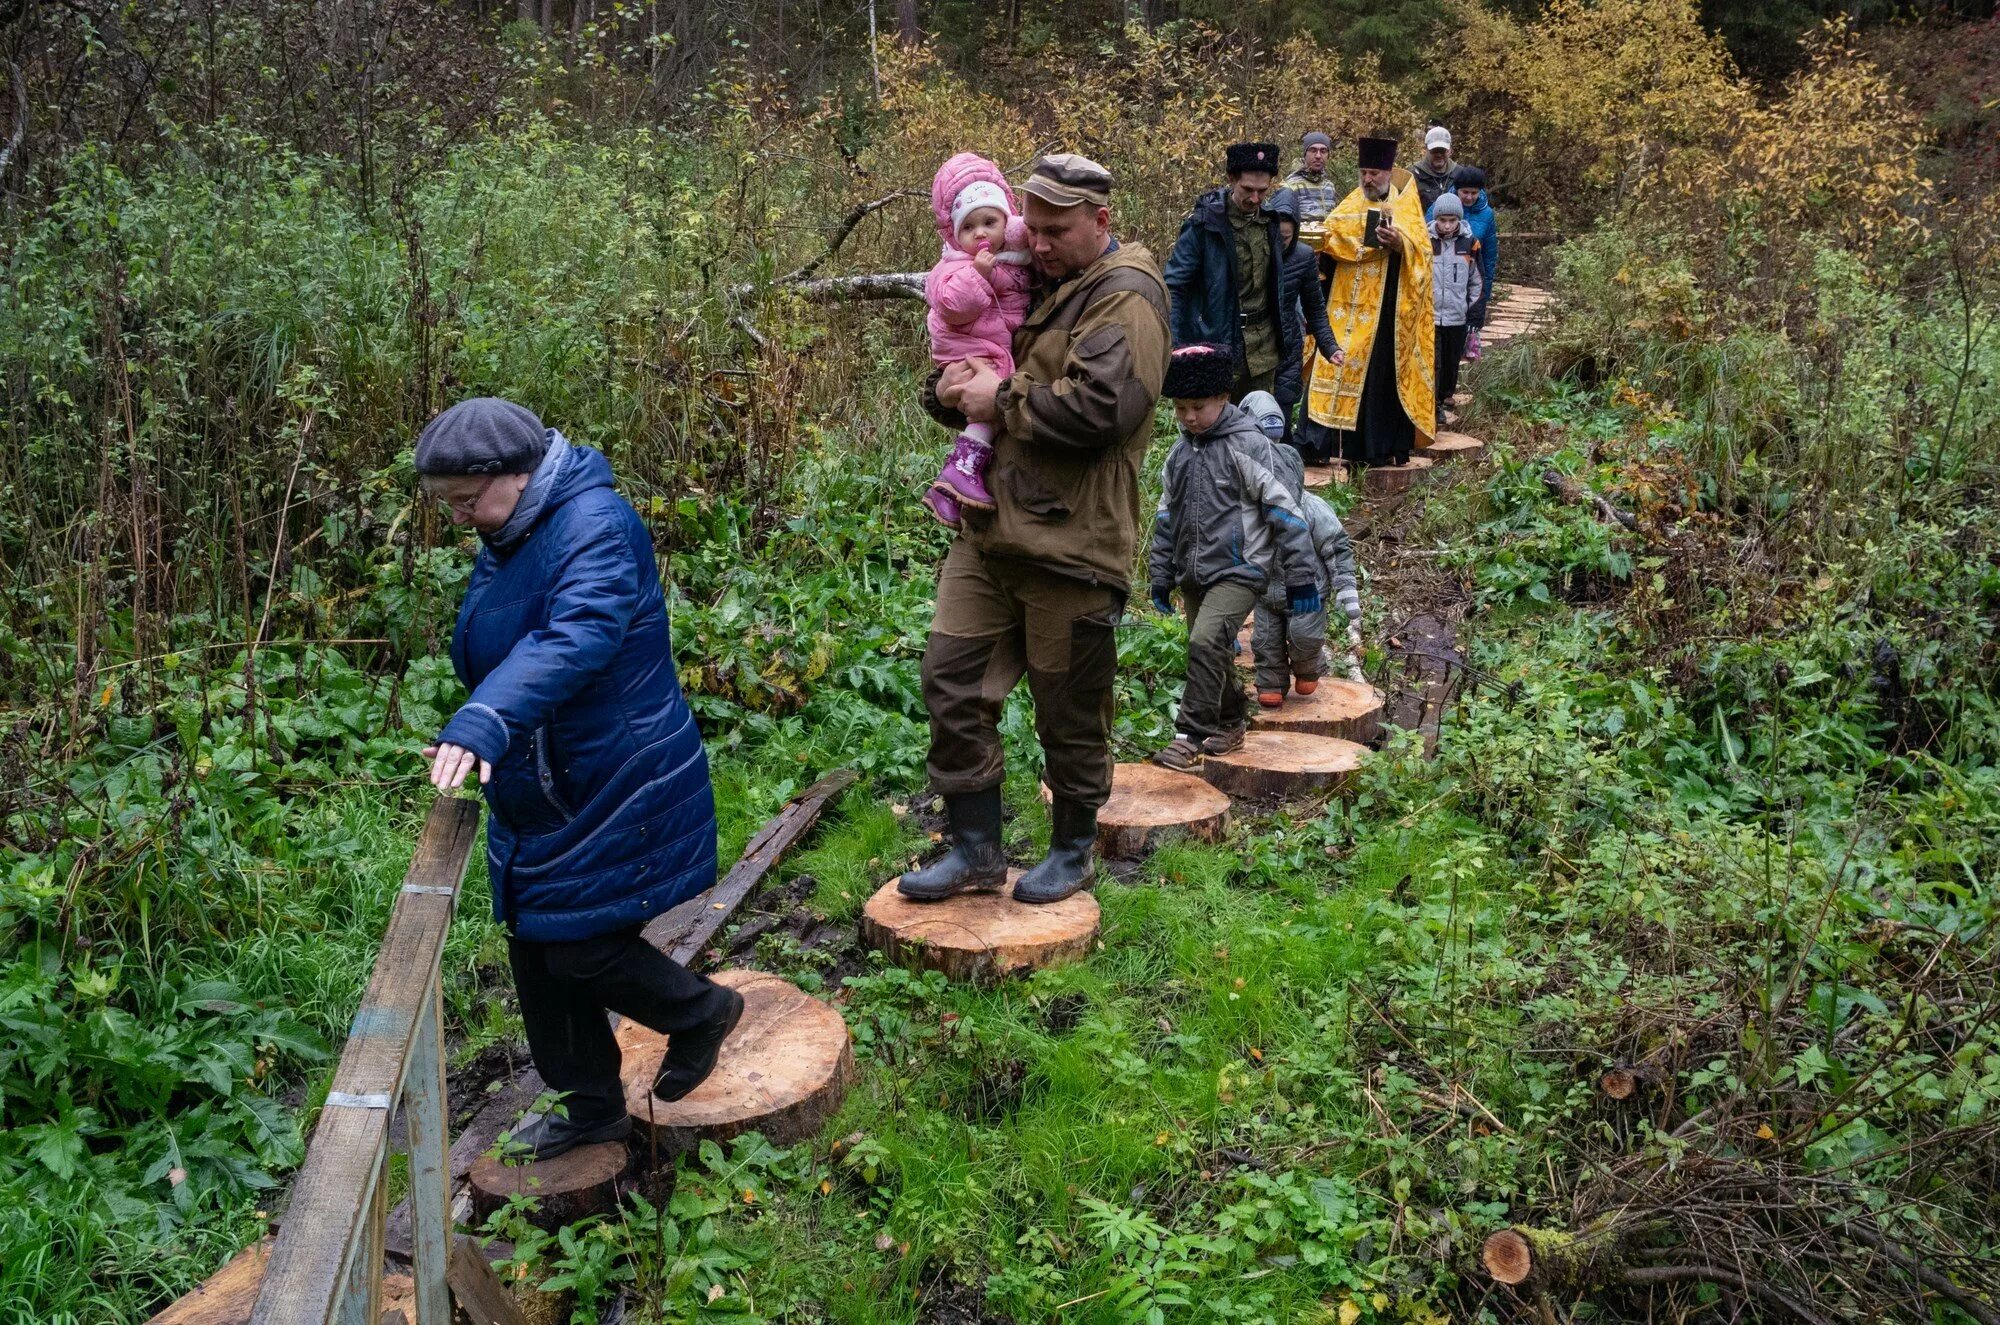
x=1374 y=194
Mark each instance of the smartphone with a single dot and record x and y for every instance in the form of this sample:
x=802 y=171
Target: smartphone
x=1368 y=237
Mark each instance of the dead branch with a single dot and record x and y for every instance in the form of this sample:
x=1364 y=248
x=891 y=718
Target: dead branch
x=1647 y=1276
x=841 y=232
x=1572 y=493
x=1935 y=1280
x=846 y=289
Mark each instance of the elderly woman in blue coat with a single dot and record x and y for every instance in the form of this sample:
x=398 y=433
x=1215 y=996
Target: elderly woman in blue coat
x=602 y=812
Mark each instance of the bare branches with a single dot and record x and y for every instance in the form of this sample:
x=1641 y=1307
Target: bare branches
x=1573 y=493
x=854 y=217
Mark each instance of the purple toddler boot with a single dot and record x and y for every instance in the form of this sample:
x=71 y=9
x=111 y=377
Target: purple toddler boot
x=943 y=507
x=964 y=474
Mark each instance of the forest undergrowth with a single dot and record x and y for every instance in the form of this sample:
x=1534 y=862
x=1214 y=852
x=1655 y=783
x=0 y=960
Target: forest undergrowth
x=1716 y=808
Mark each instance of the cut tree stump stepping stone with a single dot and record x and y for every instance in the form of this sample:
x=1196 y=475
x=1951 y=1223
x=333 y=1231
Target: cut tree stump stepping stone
x=783 y=1071
x=590 y=1180
x=1349 y=710
x=1282 y=763
x=1451 y=446
x=229 y=1295
x=980 y=937
x=1150 y=805
x=1325 y=476
x=1383 y=480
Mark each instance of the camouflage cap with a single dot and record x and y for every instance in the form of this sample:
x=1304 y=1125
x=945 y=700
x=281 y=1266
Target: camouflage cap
x=1066 y=179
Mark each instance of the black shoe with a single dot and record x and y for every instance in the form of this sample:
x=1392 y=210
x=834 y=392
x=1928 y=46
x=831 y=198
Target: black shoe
x=545 y=1136
x=1071 y=862
x=976 y=863
x=691 y=1054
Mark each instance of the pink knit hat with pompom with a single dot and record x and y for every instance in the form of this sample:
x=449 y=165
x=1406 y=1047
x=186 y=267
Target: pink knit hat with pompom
x=953 y=178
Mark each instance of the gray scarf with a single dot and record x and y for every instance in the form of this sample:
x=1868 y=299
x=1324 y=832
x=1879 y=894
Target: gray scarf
x=536 y=495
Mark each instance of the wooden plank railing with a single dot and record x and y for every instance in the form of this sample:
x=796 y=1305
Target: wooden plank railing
x=326 y=1265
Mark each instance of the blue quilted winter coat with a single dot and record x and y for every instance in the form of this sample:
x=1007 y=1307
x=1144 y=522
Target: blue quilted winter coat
x=603 y=816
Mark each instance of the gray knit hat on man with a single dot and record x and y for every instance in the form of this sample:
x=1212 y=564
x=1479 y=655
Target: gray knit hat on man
x=1315 y=139
x=1447 y=204
x=484 y=435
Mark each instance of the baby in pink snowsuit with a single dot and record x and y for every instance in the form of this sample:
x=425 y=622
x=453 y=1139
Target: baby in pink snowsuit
x=978 y=295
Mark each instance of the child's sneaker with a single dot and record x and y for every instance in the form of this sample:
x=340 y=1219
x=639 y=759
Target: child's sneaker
x=1270 y=699
x=1223 y=742
x=964 y=474
x=1305 y=685
x=1181 y=754
x=943 y=507
x=1471 y=343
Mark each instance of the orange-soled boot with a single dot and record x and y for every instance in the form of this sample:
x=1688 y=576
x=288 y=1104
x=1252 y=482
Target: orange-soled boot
x=1305 y=685
x=1270 y=699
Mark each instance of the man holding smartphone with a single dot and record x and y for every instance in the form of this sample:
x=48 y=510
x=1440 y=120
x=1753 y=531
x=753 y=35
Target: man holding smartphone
x=1378 y=405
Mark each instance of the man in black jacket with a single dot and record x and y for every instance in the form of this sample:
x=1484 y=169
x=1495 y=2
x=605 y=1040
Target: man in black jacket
x=1226 y=277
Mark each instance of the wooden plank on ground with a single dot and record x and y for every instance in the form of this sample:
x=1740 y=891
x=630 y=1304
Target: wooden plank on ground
x=766 y=849
x=477 y=1290
x=332 y=1199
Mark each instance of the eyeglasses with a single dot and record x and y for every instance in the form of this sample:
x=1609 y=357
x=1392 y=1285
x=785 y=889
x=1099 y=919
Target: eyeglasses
x=461 y=505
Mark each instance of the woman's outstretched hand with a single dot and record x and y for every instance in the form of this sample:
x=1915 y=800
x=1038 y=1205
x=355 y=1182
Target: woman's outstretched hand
x=450 y=764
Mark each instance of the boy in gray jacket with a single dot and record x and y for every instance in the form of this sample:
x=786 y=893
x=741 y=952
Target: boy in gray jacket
x=1456 y=285
x=1227 y=529
x=1290 y=648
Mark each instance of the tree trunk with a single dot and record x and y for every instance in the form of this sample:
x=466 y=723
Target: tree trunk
x=907 y=31
x=526 y=11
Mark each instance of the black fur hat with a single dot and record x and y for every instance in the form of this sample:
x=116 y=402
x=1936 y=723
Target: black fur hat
x=1251 y=156
x=1199 y=371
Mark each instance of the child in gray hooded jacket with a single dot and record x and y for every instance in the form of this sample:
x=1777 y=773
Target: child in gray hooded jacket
x=1290 y=647
x=1227 y=530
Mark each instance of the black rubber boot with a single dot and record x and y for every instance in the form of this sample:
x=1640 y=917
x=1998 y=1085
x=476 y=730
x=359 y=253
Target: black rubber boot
x=545 y=1136
x=1071 y=862
x=691 y=1054
x=976 y=862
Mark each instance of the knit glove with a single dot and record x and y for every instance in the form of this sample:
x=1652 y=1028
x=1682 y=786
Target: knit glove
x=1302 y=598
x=1163 y=598
x=1350 y=603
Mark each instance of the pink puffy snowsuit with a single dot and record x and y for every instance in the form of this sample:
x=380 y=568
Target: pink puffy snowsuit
x=972 y=317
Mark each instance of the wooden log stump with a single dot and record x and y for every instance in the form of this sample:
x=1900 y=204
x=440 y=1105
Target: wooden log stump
x=1383 y=480
x=1326 y=476
x=1348 y=710
x=980 y=937
x=228 y=1295
x=1150 y=805
x=1282 y=763
x=1559 y=1261
x=783 y=1071
x=1453 y=446
x=590 y=1180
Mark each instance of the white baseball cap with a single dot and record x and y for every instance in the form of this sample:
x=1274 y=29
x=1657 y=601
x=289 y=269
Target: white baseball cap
x=1439 y=136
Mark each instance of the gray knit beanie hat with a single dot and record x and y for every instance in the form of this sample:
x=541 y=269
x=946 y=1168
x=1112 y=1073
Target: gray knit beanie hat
x=1316 y=139
x=484 y=435
x=1447 y=205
